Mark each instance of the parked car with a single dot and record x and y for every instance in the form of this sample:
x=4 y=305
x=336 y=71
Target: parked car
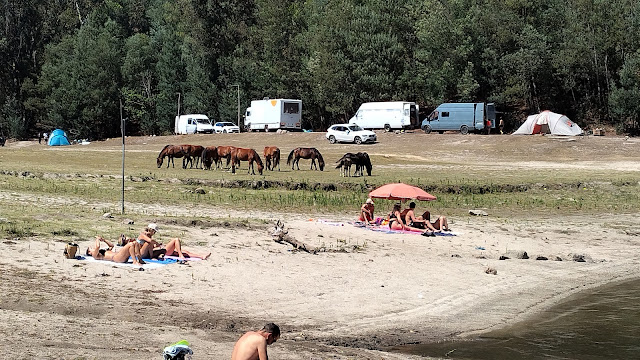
x=225 y=127
x=349 y=133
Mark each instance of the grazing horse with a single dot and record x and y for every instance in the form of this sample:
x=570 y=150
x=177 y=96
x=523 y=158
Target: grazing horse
x=305 y=153
x=224 y=152
x=191 y=152
x=272 y=157
x=344 y=164
x=171 y=151
x=209 y=156
x=361 y=160
x=244 y=154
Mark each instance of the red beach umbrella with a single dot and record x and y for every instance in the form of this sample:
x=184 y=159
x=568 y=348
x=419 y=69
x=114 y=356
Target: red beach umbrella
x=400 y=191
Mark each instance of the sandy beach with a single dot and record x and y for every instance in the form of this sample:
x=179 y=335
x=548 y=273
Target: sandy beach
x=369 y=290
x=362 y=294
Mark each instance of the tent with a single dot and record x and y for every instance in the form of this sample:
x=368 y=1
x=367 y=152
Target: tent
x=58 y=138
x=548 y=122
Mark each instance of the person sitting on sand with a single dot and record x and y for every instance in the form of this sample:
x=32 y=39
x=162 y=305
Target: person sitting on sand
x=441 y=222
x=416 y=221
x=366 y=211
x=131 y=249
x=151 y=249
x=396 y=222
x=253 y=344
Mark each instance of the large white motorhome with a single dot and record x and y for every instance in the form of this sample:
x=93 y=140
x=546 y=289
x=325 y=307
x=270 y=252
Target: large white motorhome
x=387 y=115
x=274 y=114
x=193 y=124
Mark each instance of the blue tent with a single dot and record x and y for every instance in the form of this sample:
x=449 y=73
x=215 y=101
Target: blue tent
x=58 y=138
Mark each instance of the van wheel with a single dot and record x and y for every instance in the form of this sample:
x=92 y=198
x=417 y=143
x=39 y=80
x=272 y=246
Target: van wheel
x=427 y=129
x=387 y=127
x=332 y=139
x=464 y=129
x=357 y=140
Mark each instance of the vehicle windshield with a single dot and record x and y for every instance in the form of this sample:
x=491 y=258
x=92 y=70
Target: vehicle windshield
x=203 y=121
x=355 y=128
x=227 y=124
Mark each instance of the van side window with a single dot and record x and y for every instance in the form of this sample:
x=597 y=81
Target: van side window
x=445 y=114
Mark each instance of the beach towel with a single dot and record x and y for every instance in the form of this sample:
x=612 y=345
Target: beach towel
x=385 y=229
x=150 y=263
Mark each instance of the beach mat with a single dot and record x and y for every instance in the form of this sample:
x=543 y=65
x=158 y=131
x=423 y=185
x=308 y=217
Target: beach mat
x=385 y=229
x=150 y=263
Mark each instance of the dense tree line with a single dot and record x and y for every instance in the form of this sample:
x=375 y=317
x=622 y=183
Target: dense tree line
x=71 y=63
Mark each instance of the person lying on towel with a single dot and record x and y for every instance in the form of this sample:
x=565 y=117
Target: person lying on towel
x=131 y=249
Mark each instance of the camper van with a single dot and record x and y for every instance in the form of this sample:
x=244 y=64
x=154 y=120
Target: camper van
x=193 y=124
x=463 y=117
x=387 y=115
x=274 y=114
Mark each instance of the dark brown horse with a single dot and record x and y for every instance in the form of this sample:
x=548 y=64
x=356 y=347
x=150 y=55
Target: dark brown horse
x=191 y=152
x=170 y=151
x=224 y=152
x=360 y=160
x=250 y=155
x=209 y=157
x=305 y=153
x=272 y=157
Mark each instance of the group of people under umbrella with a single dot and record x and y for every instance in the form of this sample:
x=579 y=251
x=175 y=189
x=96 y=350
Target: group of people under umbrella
x=406 y=219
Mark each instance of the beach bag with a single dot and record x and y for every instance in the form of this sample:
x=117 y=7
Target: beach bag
x=70 y=251
x=177 y=351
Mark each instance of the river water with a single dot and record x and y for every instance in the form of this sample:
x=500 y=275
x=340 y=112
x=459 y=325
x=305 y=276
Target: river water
x=603 y=323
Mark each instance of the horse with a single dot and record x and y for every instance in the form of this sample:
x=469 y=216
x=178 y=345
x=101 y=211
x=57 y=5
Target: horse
x=209 y=156
x=361 y=160
x=344 y=164
x=191 y=152
x=249 y=155
x=305 y=153
x=224 y=152
x=272 y=157
x=171 y=151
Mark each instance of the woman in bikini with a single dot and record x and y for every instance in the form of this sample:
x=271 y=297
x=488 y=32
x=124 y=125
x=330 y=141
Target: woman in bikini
x=151 y=249
x=441 y=222
x=395 y=222
x=121 y=256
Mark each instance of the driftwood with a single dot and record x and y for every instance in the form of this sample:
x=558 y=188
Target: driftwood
x=280 y=235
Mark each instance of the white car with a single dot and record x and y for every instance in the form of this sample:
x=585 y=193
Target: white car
x=225 y=127
x=350 y=133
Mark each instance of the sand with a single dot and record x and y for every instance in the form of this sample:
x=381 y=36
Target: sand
x=368 y=291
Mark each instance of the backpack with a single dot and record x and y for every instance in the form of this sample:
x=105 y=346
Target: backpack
x=70 y=251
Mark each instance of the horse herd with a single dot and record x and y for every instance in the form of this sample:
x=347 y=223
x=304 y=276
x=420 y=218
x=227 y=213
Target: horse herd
x=206 y=157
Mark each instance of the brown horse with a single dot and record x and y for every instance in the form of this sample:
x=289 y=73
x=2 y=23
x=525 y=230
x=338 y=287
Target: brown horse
x=272 y=157
x=305 y=153
x=191 y=152
x=224 y=152
x=209 y=156
x=249 y=155
x=170 y=151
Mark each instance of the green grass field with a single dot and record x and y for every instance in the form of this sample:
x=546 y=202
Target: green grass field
x=505 y=175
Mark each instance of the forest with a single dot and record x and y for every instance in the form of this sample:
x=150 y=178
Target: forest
x=79 y=64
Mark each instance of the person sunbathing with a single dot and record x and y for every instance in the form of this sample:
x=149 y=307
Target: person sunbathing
x=412 y=220
x=441 y=223
x=152 y=249
x=131 y=249
x=396 y=222
x=366 y=211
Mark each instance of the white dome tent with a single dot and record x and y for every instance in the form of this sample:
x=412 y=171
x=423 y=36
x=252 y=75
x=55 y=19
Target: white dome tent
x=548 y=122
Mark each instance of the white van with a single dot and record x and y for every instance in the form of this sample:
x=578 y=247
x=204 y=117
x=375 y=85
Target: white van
x=193 y=124
x=387 y=115
x=274 y=114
